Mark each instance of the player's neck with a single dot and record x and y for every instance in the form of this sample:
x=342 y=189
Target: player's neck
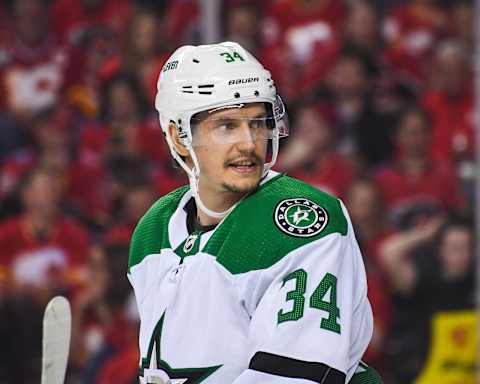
x=218 y=202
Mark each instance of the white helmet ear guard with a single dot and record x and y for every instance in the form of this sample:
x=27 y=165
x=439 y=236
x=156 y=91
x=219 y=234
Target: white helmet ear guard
x=210 y=77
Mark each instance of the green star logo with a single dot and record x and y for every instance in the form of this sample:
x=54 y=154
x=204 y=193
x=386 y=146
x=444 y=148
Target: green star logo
x=300 y=217
x=163 y=370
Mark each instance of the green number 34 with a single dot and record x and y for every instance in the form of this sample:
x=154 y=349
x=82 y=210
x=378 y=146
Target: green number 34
x=231 y=57
x=327 y=285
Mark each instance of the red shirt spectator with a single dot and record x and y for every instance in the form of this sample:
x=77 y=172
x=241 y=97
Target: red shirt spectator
x=415 y=188
x=309 y=156
x=88 y=190
x=333 y=174
x=452 y=124
x=30 y=253
x=302 y=23
x=411 y=31
x=434 y=190
x=294 y=78
x=32 y=63
x=367 y=212
x=121 y=368
x=69 y=17
x=182 y=18
x=450 y=103
x=31 y=77
x=301 y=43
x=41 y=240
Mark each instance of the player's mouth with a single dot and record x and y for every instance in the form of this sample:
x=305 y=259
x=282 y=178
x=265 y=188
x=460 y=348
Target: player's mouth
x=244 y=166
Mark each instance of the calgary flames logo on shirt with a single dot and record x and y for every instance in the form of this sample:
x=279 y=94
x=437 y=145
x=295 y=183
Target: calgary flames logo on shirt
x=300 y=217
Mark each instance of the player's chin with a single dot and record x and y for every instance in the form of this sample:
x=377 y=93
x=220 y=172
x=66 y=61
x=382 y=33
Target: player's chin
x=243 y=181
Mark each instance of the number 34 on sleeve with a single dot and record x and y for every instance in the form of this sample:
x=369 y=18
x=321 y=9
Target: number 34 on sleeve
x=326 y=287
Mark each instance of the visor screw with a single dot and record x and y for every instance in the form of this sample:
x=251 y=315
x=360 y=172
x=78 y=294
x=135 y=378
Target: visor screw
x=237 y=95
x=256 y=93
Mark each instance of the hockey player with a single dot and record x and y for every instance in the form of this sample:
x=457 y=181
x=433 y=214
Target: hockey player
x=246 y=275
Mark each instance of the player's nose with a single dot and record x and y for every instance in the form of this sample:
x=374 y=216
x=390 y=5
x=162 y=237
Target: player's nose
x=247 y=139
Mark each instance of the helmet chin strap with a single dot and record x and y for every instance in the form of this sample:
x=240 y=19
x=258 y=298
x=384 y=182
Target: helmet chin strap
x=194 y=178
x=202 y=206
x=194 y=181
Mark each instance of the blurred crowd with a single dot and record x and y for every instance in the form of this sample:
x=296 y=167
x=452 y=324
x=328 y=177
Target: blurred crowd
x=380 y=98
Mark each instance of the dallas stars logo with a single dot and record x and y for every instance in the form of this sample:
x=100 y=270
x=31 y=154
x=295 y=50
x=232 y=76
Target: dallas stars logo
x=300 y=217
x=162 y=372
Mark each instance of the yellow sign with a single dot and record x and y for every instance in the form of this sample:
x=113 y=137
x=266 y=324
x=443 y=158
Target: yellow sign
x=453 y=350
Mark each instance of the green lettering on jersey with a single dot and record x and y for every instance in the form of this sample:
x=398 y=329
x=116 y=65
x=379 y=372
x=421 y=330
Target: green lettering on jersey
x=328 y=284
x=296 y=295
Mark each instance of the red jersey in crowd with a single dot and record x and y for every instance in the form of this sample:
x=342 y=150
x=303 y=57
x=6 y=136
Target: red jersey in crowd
x=410 y=198
x=119 y=233
x=122 y=366
x=69 y=17
x=300 y=43
x=31 y=78
x=301 y=23
x=452 y=118
x=333 y=176
x=294 y=78
x=182 y=17
x=411 y=32
x=32 y=257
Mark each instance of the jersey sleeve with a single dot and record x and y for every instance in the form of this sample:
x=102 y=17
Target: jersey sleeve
x=313 y=321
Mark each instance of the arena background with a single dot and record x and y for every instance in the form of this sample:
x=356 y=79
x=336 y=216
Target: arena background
x=380 y=96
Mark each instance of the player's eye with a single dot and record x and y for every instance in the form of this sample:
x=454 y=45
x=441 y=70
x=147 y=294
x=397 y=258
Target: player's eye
x=228 y=126
x=225 y=126
x=258 y=123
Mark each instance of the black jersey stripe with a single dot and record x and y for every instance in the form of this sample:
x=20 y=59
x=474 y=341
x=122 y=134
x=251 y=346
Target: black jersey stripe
x=296 y=369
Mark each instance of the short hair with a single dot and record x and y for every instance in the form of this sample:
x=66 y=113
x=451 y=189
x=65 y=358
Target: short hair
x=133 y=84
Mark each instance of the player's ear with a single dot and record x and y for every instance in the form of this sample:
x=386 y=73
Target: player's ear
x=177 y=142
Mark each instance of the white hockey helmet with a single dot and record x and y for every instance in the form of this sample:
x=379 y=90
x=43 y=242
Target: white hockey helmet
x=206 y=78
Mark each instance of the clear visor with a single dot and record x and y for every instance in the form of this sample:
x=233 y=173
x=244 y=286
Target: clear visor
x=250 y=122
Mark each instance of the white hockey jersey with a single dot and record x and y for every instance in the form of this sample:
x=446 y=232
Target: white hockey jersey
x=275 y=294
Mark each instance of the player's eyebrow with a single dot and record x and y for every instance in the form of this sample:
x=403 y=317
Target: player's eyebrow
x=261 y=115
x=222 y=120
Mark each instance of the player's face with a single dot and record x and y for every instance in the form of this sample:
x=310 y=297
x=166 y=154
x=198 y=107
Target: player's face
x=234 y=164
